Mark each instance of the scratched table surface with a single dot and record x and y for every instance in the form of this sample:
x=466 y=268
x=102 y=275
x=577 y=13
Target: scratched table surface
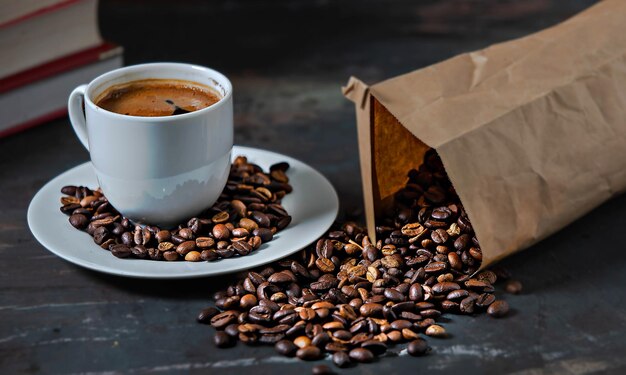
x=287 y=61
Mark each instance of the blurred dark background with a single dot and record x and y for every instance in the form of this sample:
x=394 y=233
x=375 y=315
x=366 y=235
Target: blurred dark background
x=288 y=59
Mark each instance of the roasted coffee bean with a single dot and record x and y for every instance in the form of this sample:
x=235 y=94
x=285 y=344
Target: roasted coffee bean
x=401 y=324
x=221 y=232
x=286 y=348
x=307 y=314
x=260 y=218
x=455 y=261
x=476 y=253
x=227 y=303
x=260 y=314
x=281 y=278
x=409 y=334
x=302 y=341
x=487 y=277
x=163 y=246
x=513 y=287
x=100 y=235
x=68 y=190
x=467 y=305
x=325 y=265
x=271 y=338
x=445 y=287
x=430 y=313
x=220 y=217
x=79 y=221
x=342 y=335
x=393 y=295
x=240 y=233
x=232 y=330
x=341 y=359
x=155 y=254
x=117 y=230
x=479 y=286
x=203 y=242
x=209 y=255
x=449 y=306
x=185 y=247
x=484 y=300
x=281 y=166
x=222 y=340
x=176 y=239
x=371 y=309
x=283 y=222
x=321 y=369
x=248 y=224
x=416 y=292
x=394 y=336
x=239 y=207
x=439 y=236
x=120 y=251
x=242 y=248
x=248 y=301
x=186 y=234
x=435 y=267
x=223 y=319
x=320 y=340
x=170 y=255
x=225 y=252
x=255 y=242
x=265 y=234
x=309 y=353
x=69 y=208
x=361 y=355
x=461 y=242
x=206 y=314
x=435 y=330
x=498 y=309
x=140 y=251
x=417 y=347
x=457 y=294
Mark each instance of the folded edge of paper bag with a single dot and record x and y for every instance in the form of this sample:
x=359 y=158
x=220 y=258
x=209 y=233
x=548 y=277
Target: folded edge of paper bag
x=358 y=92
x=532 y=132
x=387 y=152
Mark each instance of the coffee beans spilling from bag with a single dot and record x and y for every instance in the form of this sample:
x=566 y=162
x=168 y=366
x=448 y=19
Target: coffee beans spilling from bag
x=247 y=214
x=352 y=298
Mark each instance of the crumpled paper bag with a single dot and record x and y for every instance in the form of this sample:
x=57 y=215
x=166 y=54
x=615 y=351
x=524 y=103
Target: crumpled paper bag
x=532 y=132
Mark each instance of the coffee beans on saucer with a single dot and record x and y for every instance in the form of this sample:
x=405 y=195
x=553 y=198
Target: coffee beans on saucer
x=247 y=214
x=353 y=299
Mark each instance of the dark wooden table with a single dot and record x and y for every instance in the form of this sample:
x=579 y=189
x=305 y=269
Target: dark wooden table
x=287 y=61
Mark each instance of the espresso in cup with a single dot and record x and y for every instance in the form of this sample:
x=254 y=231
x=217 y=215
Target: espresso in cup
x=157 y=97
x=154 y=166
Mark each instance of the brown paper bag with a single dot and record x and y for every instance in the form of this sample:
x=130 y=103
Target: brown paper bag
x=532 y=132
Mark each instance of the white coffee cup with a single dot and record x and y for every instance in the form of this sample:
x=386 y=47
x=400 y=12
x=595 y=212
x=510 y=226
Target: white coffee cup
x=157 y=170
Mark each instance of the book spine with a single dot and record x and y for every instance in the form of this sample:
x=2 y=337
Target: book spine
x=34 y=122
x=63 y=64
x=38 y=12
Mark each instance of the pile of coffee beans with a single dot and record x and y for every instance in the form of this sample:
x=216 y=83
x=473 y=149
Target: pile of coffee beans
x=353 y=298
x=247 y=214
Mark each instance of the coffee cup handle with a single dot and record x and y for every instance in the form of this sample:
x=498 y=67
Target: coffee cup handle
x=75 y=105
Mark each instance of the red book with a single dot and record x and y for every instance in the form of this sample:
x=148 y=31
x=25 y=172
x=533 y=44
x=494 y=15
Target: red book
x=33 y=32
x=40 y=94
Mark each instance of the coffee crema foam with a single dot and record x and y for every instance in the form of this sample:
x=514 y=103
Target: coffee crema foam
x=157 y=97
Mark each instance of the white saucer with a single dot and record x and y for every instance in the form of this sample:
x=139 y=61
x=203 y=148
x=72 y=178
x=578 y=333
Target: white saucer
x=313 y=205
